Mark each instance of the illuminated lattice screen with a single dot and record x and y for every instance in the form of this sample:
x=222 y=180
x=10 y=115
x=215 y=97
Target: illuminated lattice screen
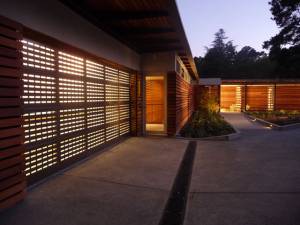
x=38 y=56
x=72 y=147
x=94 y=70
x=71 y=120
x=95 y=116
x=40 y=158
x=71 y=105
x=39 y=126
x=70 y=64
x=39 y=89
x=95 y=139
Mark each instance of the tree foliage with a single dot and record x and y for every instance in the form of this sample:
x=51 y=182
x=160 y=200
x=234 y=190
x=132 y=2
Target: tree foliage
x=285 y=46
x=223 y=60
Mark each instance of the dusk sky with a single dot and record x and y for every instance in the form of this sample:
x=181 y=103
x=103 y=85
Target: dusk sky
x=246 y=22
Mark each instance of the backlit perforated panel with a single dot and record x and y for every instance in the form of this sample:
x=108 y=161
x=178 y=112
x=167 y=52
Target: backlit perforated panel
x=95 y=116
x=124 y=93
x=94 y=70
x=111 y=93
x=38 y=56
x=71 y=120
x=71 y=91
x=124 y=128
x=112 y=113
x=123 y=77
x=124 y=111
x=72 y=147
x=40 y=158
x=112 y=132
x=39 y=126
x=95 y=92
x=111 y=74
x=96 y=138
x=72 y=104
x=70 y=64
x=38 y=89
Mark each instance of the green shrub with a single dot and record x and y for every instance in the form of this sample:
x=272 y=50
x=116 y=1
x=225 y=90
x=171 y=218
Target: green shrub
x=205 y=123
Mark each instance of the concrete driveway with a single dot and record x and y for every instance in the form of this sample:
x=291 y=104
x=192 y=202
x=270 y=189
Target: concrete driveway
x=254 y=180
x=128 y=184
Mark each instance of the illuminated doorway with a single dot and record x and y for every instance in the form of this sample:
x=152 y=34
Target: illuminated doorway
x=155 y=104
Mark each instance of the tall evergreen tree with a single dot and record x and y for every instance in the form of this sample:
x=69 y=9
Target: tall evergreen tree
x=223 y=60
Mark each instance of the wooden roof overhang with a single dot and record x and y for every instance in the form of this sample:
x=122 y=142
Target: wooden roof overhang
x=147 y=26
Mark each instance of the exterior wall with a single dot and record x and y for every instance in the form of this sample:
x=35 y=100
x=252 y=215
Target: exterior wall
x=12 y=178
x=157 y=63
x=261 y=97
x=287 y=97
x=56 y=20
x=180 y=95
x=257 y=98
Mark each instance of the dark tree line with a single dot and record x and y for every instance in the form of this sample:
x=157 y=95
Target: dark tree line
x=223 y=60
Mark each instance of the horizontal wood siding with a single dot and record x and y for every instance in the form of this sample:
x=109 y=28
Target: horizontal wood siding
x=287 y=97
x=180 y=102
x=12 y=161
x=257 y=98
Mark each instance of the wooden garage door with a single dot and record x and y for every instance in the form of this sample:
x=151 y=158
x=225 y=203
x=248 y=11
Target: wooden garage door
x=74 y=104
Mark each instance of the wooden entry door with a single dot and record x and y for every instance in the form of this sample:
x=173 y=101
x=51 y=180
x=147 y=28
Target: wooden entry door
x=155 y=100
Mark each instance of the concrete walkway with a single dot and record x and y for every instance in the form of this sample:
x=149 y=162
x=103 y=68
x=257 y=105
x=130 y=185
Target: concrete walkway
x=253 y=180
x=128 y=184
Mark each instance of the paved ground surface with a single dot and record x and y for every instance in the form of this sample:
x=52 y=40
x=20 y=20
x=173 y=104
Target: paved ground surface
x=129 y=184
x=254 y=180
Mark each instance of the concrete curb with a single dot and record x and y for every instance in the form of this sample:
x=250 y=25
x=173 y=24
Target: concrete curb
x=227 y=137
x=272 y=126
